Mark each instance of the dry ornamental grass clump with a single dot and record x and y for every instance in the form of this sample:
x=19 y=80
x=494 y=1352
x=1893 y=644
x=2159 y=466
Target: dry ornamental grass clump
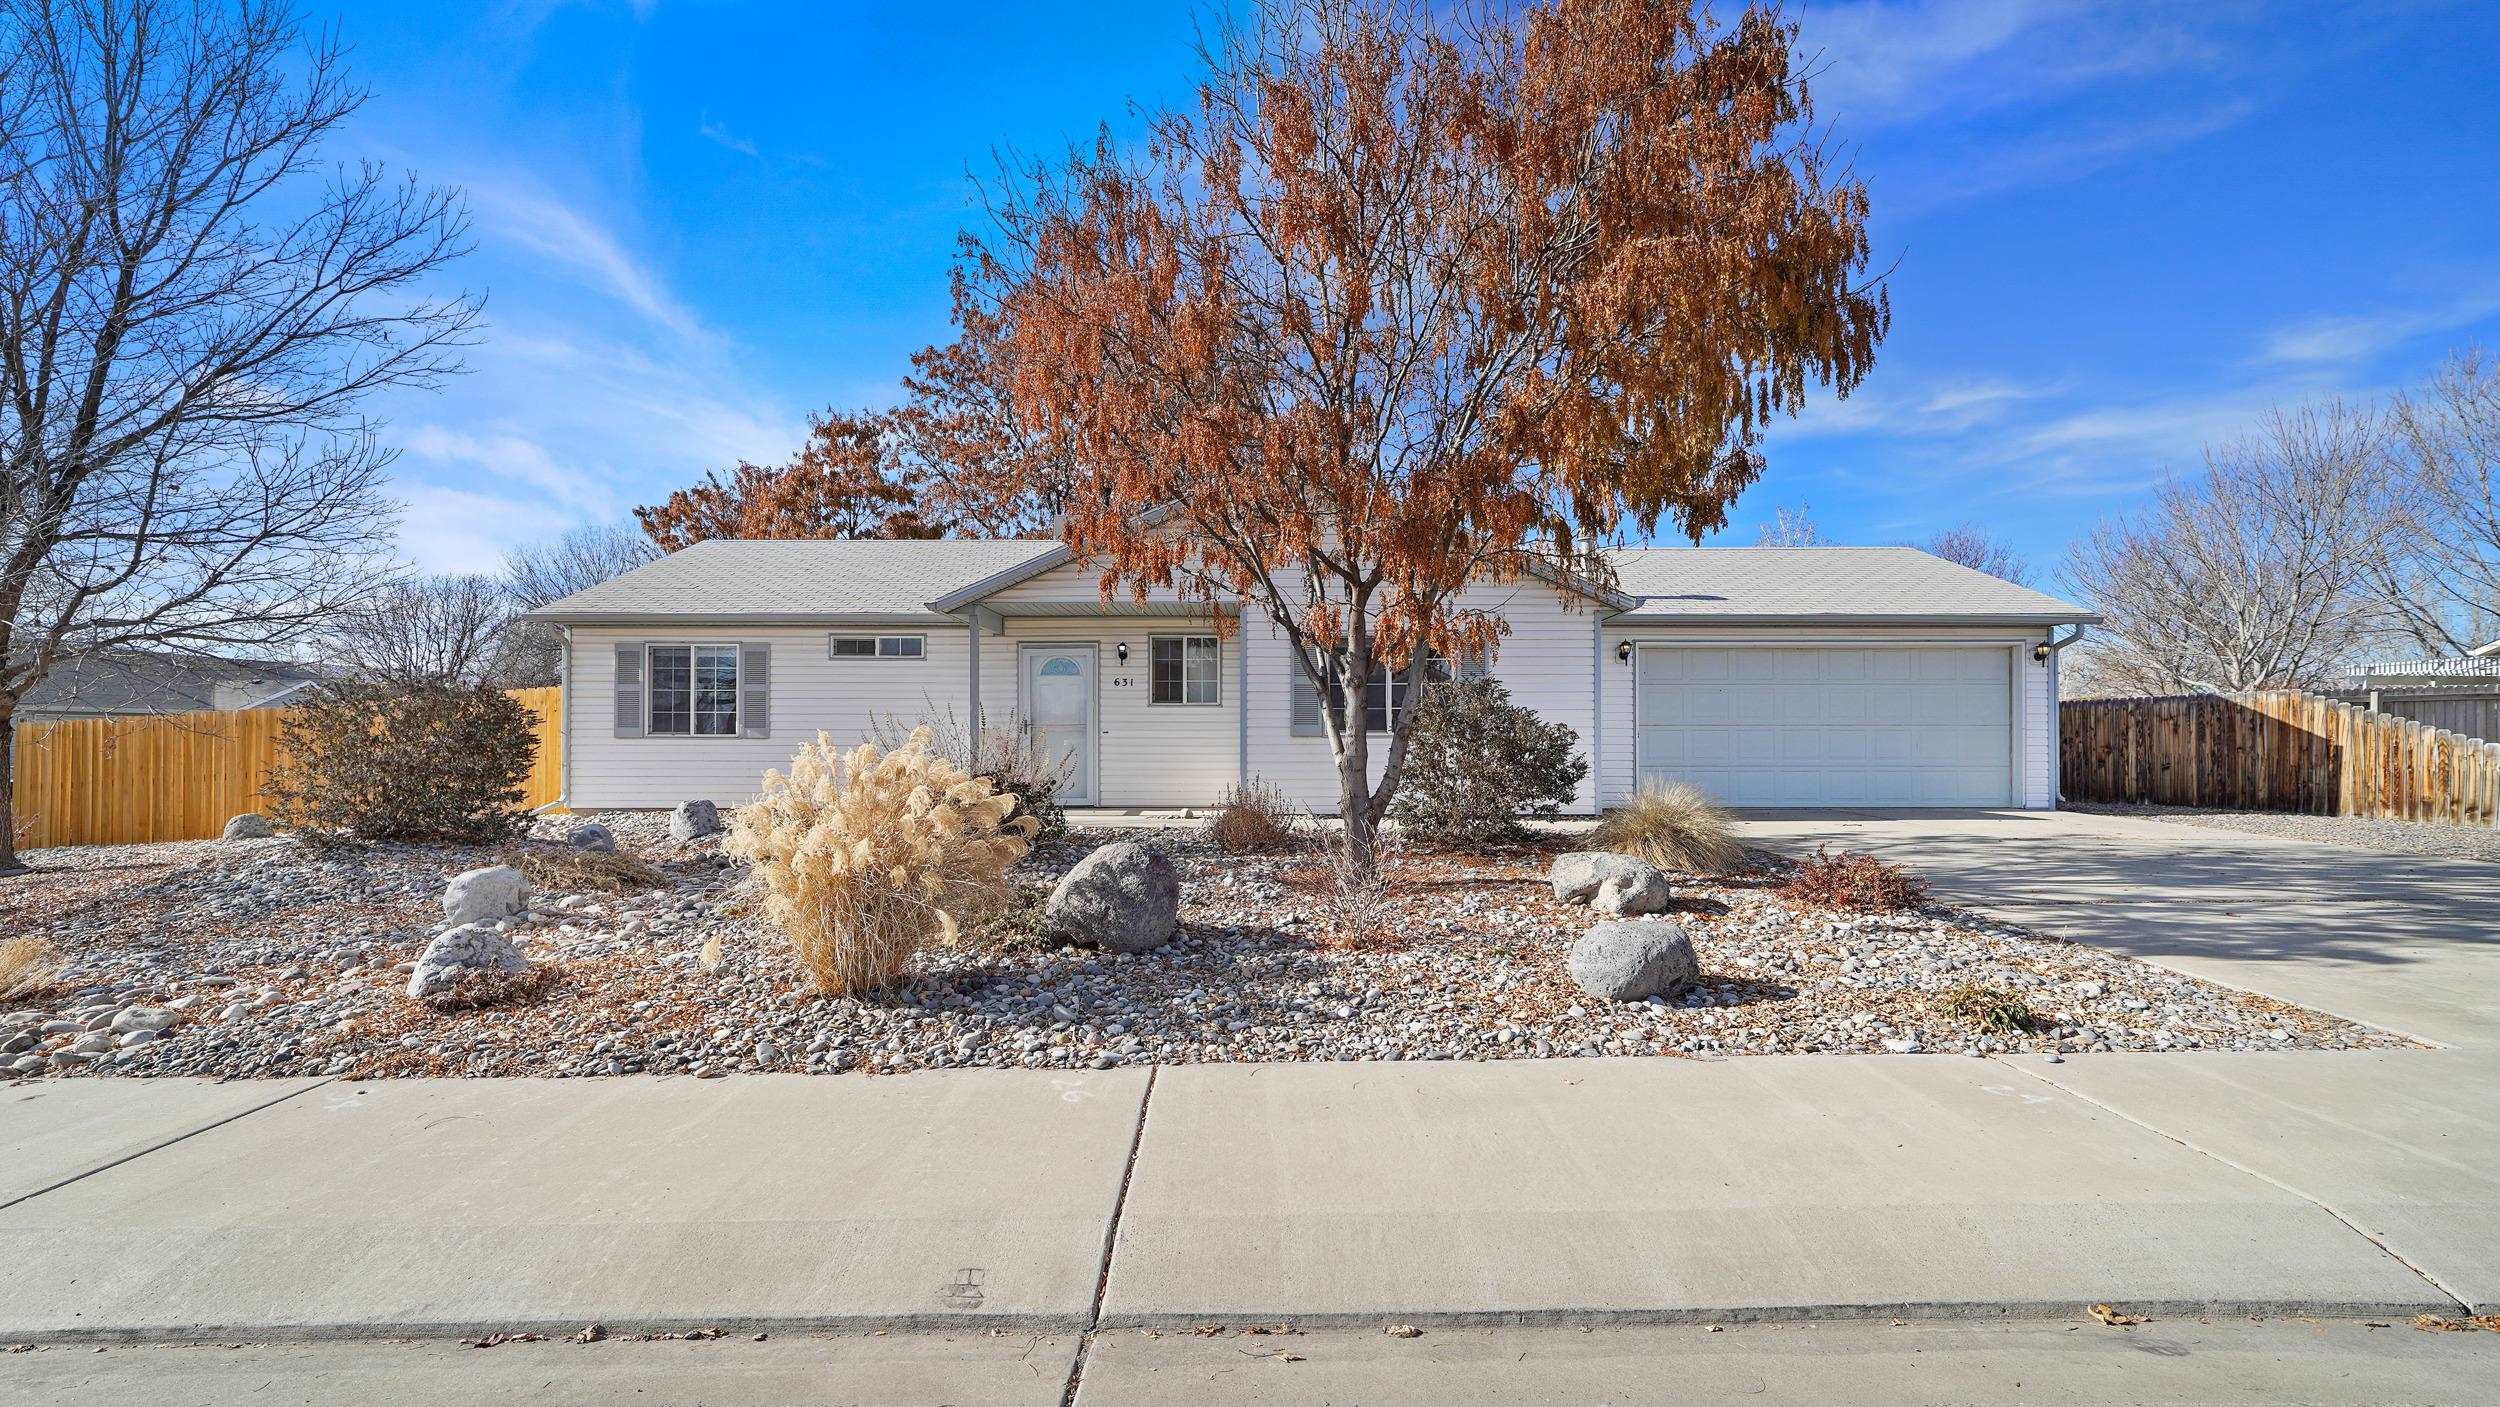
x=568 y=869
x=1858 y=883
x=867 y=855
x=1675 y=828
x=27 y=966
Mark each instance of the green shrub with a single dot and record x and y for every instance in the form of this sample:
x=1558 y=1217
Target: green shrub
x=382 y=761
x=1674 y=827
x=1477 y=763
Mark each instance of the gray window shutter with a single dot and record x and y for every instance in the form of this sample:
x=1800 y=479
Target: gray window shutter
x=1306 y=722
x=629 y=689
x=755 y=691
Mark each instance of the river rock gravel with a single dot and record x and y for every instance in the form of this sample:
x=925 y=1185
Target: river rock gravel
x=269 y=957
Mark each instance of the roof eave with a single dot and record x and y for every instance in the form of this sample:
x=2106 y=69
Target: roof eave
x=1637 y=617
x=732 y=618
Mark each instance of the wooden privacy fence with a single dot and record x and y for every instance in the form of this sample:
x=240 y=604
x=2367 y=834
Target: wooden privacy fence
x=121 y=781
x=2275 y=752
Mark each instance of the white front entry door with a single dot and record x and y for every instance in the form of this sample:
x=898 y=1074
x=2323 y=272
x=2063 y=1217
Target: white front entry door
x=1829 y=726
x=1059 y=709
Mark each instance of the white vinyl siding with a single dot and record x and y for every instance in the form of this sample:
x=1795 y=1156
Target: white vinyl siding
x=2030 y=732
x=806 y=692
x=1543 y=661
x=1147 y=754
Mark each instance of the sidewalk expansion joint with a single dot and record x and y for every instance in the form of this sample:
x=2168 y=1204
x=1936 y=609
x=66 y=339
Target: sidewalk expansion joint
x=2463 y=1305
x=167 y=1143
x=1110 y=1240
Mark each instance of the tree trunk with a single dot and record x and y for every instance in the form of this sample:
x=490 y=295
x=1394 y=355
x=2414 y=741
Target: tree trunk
x=9 y=863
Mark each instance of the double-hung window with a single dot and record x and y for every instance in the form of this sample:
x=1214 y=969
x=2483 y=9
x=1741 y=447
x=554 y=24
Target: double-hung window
x=1388 y=692
x=694 y=690
x=1187 y=669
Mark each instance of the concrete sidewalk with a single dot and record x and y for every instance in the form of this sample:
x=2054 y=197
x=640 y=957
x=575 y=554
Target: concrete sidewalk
x=1437 y=1193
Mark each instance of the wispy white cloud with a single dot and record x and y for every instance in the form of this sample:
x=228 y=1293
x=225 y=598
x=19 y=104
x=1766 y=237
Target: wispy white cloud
x=515 y=459
x=1930 y=407
x=458 y=531
x=716 y=133
x=2343 y=339
x=530 y=219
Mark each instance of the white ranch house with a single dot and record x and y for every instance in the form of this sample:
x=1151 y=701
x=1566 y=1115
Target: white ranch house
x=1768 y=676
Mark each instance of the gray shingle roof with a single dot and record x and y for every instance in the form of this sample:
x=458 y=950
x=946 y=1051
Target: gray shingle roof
x=1850 y=584
x=795 y=580
x=896 y=581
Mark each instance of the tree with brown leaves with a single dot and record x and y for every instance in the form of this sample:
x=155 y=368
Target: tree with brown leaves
x=852 y=479
x=1414 y=298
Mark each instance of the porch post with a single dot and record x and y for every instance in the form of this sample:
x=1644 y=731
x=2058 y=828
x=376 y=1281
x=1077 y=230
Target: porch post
x=972 y=632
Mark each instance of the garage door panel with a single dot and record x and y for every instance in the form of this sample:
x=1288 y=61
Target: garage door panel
x=1828 y=726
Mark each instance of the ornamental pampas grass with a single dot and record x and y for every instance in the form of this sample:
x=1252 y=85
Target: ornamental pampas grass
x=869 y=854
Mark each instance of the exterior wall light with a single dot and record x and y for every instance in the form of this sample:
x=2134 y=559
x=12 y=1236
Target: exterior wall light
x=2041 y=652
x=1122 y=652
x=1623 y=652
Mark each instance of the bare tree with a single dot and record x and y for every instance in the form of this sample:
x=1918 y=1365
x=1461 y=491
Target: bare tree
x=554 y=569
x=1792 y=527
x=1975 y=547
x=193 y=310
x=2440 y=581
x=430 y=630
x=2249 y=575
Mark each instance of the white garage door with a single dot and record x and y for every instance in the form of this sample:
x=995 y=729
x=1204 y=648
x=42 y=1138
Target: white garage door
x=1829 y=726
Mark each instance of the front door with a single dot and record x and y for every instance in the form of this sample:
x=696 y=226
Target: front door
x=1059 y=709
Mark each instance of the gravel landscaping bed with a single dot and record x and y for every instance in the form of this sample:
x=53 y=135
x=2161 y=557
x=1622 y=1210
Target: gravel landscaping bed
x=266 y=957
x=2360 y=832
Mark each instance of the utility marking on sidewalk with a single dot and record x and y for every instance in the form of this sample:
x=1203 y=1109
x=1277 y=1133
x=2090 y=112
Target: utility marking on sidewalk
x=2265 y=1177
x=168 y=1143
x=1110 y=1240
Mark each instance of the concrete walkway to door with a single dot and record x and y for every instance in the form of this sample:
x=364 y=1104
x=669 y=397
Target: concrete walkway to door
x=2403 y=942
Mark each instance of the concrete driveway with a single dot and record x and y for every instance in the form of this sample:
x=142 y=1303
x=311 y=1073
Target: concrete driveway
x=2402 y=942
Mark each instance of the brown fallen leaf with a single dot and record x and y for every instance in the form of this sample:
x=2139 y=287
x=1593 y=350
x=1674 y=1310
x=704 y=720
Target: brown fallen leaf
x=2115 y=1318
x=2438 y=1324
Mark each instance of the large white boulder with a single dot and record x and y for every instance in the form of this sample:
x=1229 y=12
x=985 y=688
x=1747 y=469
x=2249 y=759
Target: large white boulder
x=485 y=895
x=472 y=950
x=251 y=825
x=1580 y=875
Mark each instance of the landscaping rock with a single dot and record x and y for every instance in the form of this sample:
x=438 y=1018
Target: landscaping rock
x=1578 y=875
x=482 y=896
x=142 y=1018
x=1123 y=898
x=1624 y=894
x=693 y=820
x=1633 y=960
x=467 y=951
x=251 y=825
x=590 y=835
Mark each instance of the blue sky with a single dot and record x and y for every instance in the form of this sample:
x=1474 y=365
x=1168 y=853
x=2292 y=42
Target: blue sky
x=2116 y=231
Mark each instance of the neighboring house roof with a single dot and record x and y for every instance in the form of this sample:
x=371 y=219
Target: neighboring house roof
x=795 y=581
x=864 y=582
x=1843 y=585
x=140 y=681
